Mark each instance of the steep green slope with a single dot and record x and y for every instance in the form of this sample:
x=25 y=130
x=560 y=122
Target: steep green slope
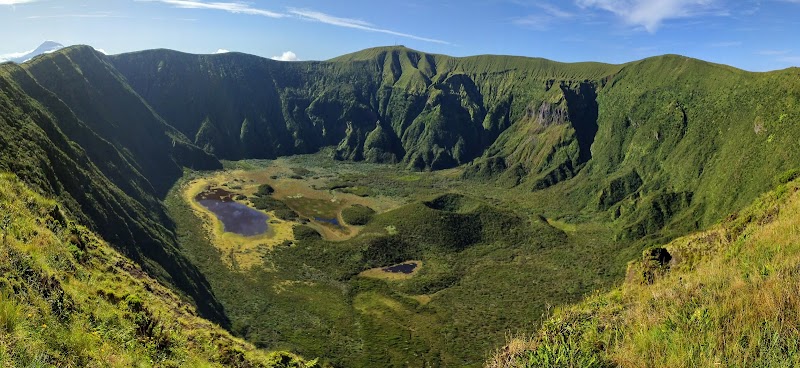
x=650 y=149
x=111 y=196
x=723 y=297
x=695 y=133
x=67 y=299
x=432 y=111
x=675 y=137
x=655 y=138
x=99 y=96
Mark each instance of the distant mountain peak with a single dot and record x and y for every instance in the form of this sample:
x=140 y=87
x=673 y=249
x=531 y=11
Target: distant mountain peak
x=20 y=57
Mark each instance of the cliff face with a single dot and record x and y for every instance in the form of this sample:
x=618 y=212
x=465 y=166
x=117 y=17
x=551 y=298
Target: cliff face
x=433 y=111
x=679 y=123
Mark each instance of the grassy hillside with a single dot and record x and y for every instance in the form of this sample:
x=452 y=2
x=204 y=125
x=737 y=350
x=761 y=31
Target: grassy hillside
x=98 y=179
x=726 y=296
x=67 y=299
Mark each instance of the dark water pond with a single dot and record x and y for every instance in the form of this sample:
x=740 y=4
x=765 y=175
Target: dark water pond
x=405 y=268
x=236 y=217
x=333 y=221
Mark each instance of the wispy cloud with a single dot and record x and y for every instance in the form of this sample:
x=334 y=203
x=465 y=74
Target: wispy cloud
x=542 y=20
x=795 y=60
x=651 y=14
x=726 y=44
x=773 y=52
x=231 y=7
x=302 y=14
x=316 y=16
x=15 y=2
x=286 y=56
x=89 y=15
x=221 y=51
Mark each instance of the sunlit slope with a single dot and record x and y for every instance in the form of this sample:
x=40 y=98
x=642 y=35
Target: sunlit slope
x=727 y=296
x=67 y=299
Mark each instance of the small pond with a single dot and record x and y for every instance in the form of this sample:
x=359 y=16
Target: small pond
x=405 y=268
x=236 y=217
x=332 y=221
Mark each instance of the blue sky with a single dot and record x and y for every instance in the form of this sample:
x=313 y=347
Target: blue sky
x=755 y=35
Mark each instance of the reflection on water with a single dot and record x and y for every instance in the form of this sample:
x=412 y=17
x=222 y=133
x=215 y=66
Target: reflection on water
x=236 y=217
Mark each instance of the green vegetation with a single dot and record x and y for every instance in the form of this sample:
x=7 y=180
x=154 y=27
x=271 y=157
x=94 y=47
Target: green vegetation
x=553 y=177
x=264 y=190
x=67 y=299
x=726 y=296
x=358 y=215
x=477 y=256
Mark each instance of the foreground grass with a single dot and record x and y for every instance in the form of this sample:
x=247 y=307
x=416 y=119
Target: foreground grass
x=729 y=297
x=67 y=299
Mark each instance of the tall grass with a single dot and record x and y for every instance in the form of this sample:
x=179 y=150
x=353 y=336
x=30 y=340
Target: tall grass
x=67 y=299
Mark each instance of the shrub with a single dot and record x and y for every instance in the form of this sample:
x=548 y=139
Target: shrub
x=265 y=190
x=286 y=214
x=358 y=215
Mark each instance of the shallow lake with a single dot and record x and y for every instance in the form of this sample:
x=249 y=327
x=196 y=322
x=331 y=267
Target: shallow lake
x=236 y=217
x=333 y=221
x=405 y=268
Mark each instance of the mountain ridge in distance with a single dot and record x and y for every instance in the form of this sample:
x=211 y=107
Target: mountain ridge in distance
x=45 y=48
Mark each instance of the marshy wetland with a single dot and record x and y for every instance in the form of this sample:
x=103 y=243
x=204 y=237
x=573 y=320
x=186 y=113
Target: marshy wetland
x=370 y=263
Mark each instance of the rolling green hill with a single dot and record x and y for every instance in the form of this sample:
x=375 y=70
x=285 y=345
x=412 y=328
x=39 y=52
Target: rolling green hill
x=559 y=173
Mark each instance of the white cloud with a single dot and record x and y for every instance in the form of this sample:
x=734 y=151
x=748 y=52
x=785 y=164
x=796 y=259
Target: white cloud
x=14 y=55
x=794 y=60
x=90 y=15
x=542 y=20
x=15 y=2
x=554 y=10
x=773 y=52
x=101 y=51
x=650 y=14
x=221 y=51
x=316 y=16
x=726 y=44
x=303 y=14
x=231 y=7
x=286 y=56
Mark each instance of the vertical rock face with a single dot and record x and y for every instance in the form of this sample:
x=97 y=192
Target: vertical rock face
x=583 y=114
x=352 y=146
x=550 y=144
x=380 y=145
